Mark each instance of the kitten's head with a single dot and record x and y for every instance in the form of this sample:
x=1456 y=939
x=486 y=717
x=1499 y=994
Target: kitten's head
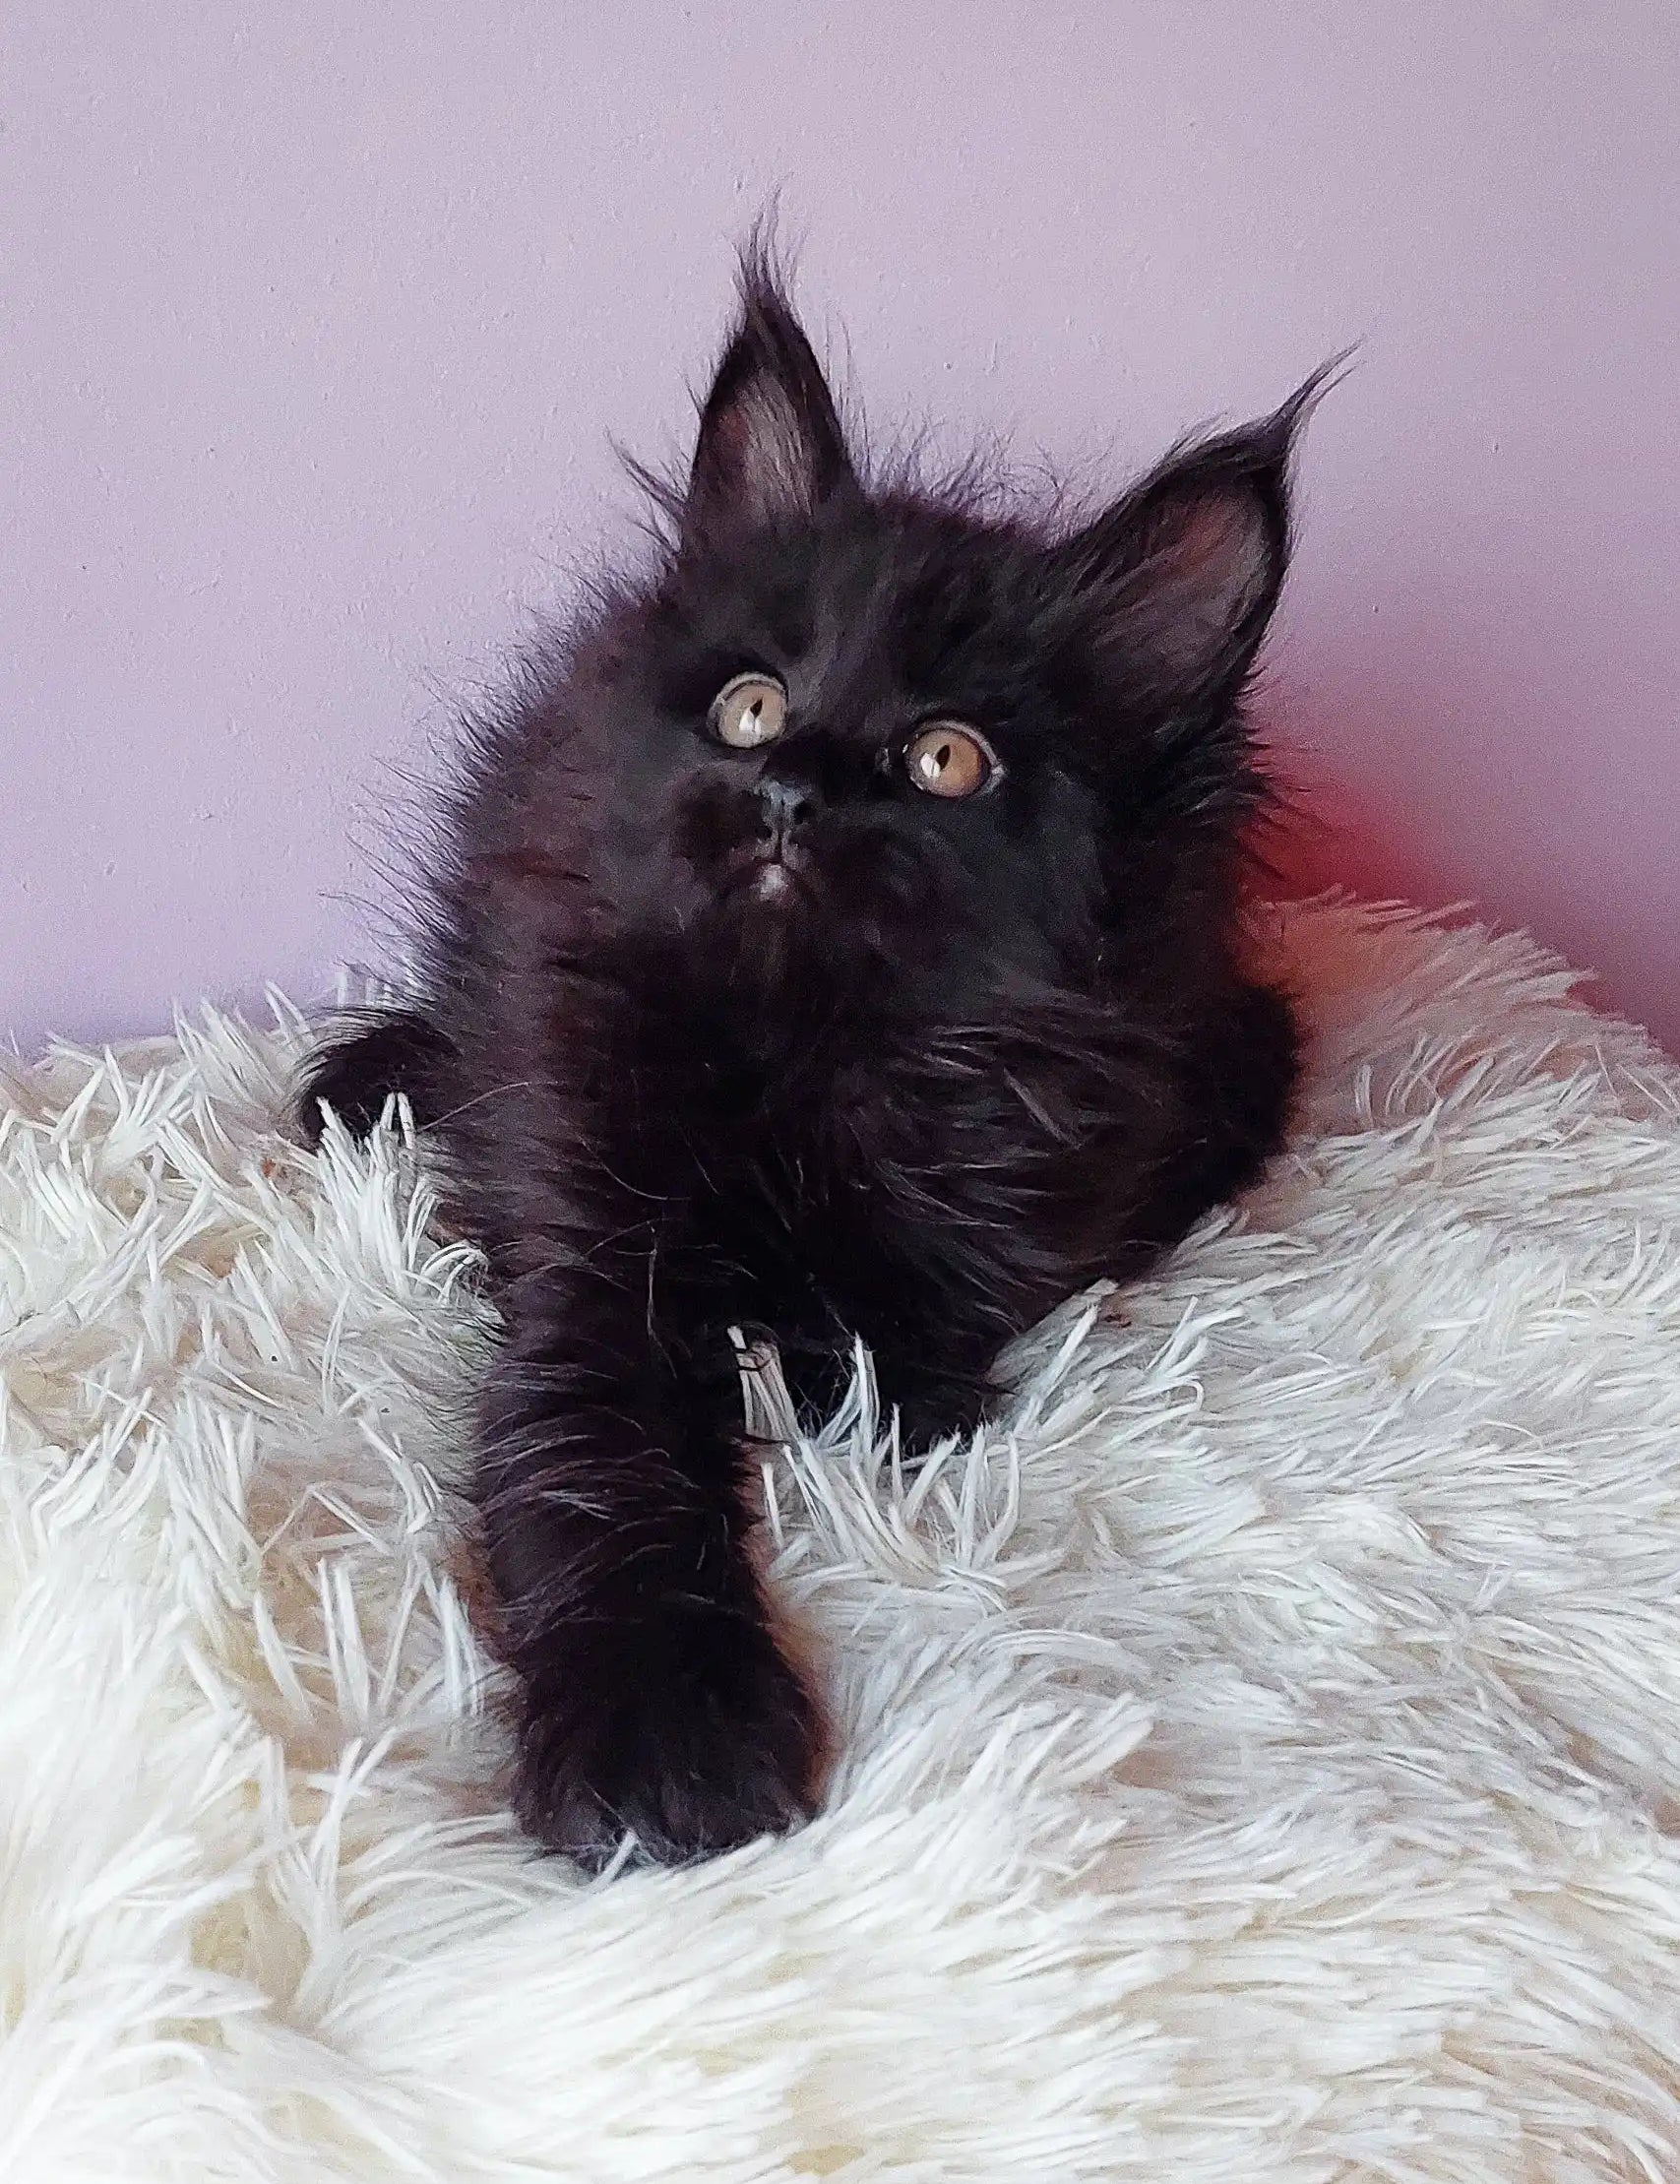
x=877 y=737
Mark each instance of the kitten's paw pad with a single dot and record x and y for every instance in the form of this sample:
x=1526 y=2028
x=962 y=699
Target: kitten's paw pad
x=699 y=1738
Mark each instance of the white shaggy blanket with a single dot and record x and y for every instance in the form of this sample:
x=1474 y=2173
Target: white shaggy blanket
x=1259 y=1755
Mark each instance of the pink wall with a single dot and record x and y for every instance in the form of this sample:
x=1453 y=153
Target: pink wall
x=324 y=314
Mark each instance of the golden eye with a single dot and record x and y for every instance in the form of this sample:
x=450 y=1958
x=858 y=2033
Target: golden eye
x=748 y=711
x=949 y=760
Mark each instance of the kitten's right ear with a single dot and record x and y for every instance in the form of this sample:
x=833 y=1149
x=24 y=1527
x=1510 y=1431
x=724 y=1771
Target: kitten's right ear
x=771 y=448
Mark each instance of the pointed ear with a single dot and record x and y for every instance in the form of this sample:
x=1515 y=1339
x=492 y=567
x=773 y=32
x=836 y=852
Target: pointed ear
x=1184 y=573
x=771 y=446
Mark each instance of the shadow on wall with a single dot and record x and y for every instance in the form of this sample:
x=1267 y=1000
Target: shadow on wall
x=1395 y=843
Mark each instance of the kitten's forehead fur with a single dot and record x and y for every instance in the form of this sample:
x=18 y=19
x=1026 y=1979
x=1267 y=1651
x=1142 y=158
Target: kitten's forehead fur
x=1182 y=570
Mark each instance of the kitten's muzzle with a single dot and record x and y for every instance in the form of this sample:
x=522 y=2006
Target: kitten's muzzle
x=785 y=805
x=772 y=863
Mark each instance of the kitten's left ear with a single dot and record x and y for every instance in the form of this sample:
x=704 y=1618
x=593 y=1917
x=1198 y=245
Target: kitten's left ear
x=1184 y=573
x=771 y=446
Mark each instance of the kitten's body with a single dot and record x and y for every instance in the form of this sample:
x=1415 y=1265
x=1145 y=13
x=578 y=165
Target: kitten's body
x=720 y=1037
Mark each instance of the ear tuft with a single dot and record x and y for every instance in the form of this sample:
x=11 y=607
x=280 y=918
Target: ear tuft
x=770 y=447
x=1185 y=571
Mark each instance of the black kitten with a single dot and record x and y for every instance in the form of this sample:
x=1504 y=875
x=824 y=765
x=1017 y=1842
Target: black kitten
x=838 y=934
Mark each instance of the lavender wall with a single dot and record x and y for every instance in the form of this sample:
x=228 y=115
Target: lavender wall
x=322 y=314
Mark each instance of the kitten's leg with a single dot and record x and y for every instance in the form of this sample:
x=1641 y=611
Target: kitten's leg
x=357 y=1072
x=612 y=1489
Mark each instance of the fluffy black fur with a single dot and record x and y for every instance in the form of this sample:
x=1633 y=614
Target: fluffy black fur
x=949 y=1062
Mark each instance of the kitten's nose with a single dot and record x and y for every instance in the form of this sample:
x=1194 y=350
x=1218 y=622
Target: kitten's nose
x=784 y=804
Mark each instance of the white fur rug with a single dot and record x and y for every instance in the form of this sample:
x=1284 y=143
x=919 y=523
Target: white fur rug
x=1260 y=1756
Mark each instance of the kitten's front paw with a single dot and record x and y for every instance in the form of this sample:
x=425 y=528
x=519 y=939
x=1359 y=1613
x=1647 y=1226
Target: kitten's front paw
x=695 y=1732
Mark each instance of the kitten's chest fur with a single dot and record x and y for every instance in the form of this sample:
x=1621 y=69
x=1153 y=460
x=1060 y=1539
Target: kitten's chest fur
x=847 y=1174
x=834 y=1181
x=764 y=1163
